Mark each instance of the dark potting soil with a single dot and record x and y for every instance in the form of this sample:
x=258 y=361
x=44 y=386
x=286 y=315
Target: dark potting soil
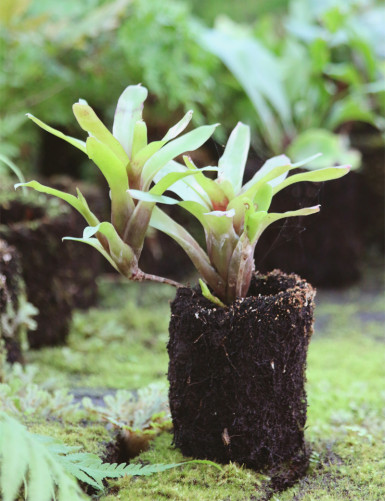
x=237 y=375
x=56 y=274
x=10 y=289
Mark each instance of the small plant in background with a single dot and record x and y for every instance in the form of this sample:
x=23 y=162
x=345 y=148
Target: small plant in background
x=139 y=417
x=295 y=114
x=233 y=216
x=127 y=161
x=22 y=397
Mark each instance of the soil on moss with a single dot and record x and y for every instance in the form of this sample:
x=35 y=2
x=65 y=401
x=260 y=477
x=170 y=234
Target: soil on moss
x=237 y=375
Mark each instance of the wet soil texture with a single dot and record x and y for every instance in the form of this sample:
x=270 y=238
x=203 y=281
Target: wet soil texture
x=237 y=374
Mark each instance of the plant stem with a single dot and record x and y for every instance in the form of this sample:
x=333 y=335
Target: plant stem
x=140 y=276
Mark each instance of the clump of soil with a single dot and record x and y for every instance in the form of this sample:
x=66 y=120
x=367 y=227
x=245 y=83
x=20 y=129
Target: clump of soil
x=58 y=276
x=237 y=375
x=10 y=289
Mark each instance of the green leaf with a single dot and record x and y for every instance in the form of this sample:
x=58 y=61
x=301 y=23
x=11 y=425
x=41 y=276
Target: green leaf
x=266 y=169
x=258 y=72
x=89 y=121
x=174 y=131
x=81 y=145
x=128 y=112
x=187 y=188
x=316 y=176
x=14 y=168
x=167 y=180
x=79 y=203
x=233 y=161
x=140 y=137
x=272 y=172
x=141 y=157
x=350 y=109
x=263 y=198
x=334 y=148
x=116 y=176
x=207 y=294
x=216 y=194
x=162 y=222
x=188 y=142
x=253 y=223
x=120 y=252
x=31 y=460
x=94 y=242
x=263 y=223
x=147 y=196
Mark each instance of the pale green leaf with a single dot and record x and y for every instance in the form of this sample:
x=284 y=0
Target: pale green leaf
x=141 y=156
x=168 y=180
x=89 y=121
x=179 y=127
x=258 y=72
x=268 y=219
x=188 y=142
x=79 y=203
x=128 y=112
x=316 y=176
x=94 y=242
x=116 y=176
x=187 y=188
x=263 y=197
x=140 y=138
x=120 y=252
x=147 y=196
x=233 y=161
x=81 y=145
x=267 y=167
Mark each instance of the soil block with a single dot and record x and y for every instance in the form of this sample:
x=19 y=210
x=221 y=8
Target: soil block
x=237 y=375
x=371 y=144
x=10 y=289
x=55 y=273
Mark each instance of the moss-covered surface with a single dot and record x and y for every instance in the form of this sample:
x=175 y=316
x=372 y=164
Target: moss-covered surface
x=122 y=344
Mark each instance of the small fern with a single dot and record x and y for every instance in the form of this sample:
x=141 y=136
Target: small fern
x=24 y=459
x=48 y=468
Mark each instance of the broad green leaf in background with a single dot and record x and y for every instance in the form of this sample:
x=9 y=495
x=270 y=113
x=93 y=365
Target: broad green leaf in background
x=257 y=70
x=334 y=147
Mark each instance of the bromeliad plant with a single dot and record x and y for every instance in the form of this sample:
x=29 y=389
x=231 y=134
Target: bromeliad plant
x=233 y=216
x=127 y=161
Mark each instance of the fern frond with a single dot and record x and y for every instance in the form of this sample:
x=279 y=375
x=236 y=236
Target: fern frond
x=25 y=458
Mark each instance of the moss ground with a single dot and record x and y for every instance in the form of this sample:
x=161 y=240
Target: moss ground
x=122 y=344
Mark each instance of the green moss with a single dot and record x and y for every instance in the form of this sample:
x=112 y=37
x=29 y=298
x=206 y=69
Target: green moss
x=91 y=437
x=199 y=482
x=122 y=344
